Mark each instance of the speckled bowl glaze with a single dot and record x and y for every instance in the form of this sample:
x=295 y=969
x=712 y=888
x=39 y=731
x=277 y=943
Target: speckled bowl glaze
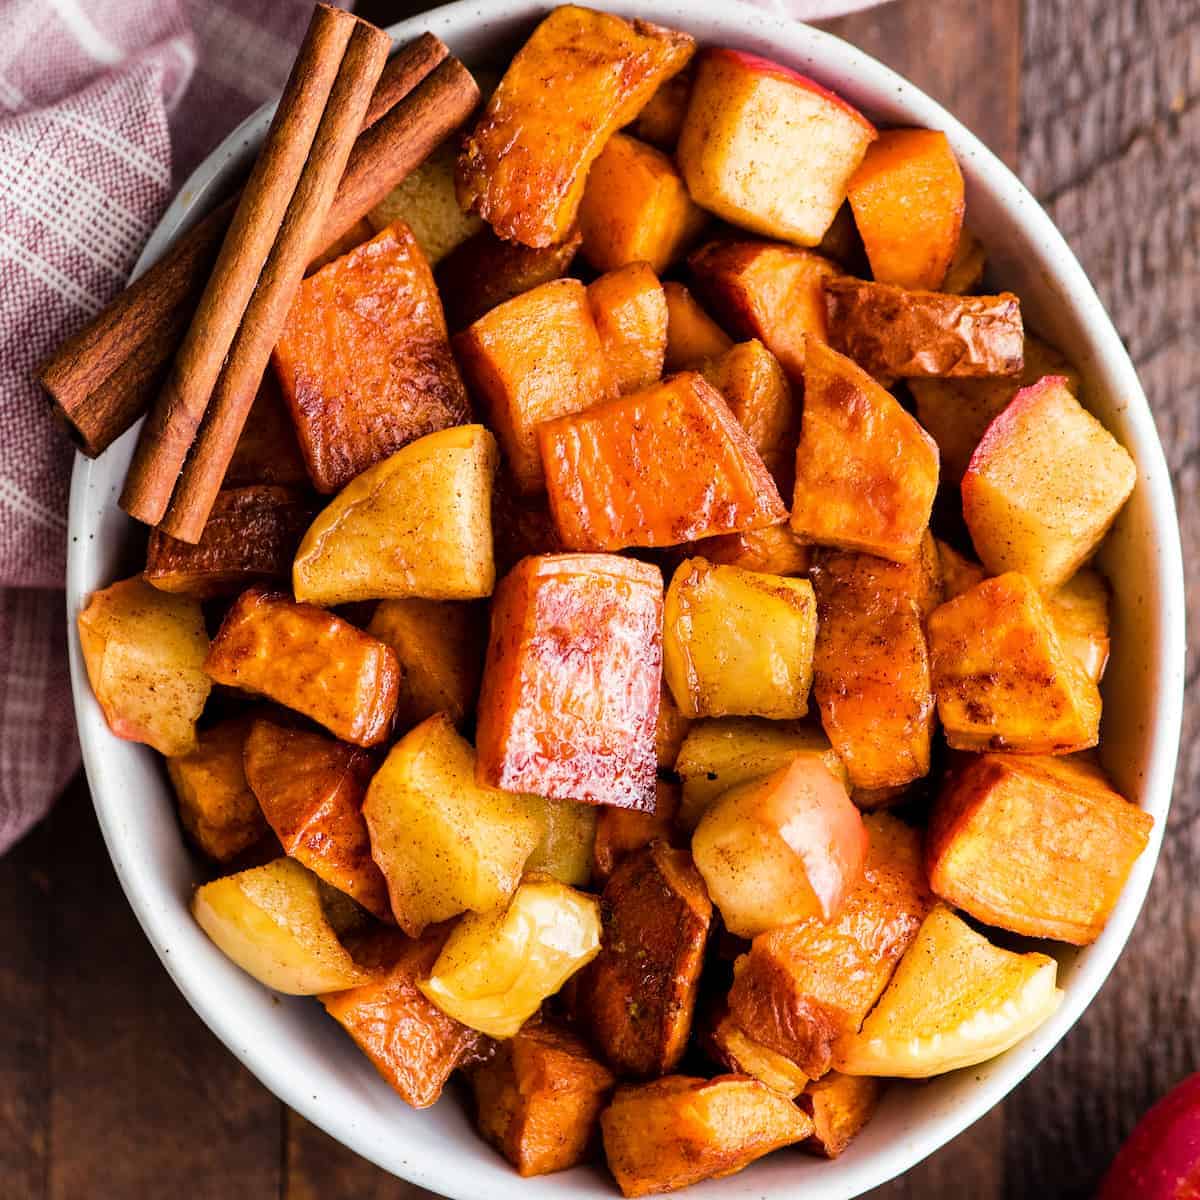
x=303 y=1056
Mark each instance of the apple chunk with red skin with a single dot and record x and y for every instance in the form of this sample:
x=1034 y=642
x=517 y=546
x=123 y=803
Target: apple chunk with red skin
x=780 y=849
x=1161 y=1159
x=768 y=149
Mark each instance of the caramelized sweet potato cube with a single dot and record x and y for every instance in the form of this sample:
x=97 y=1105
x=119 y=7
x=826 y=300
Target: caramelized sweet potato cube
x=669 y=1134
x=267 y=450
x=894 y=333
x=802 y=985
x=251 y=537
x=538 y=1099
x=866 y=472
x=308 y=660
x=409 y=1040
x=693 y=336
x=1079 y=610
x=728 y=1044
x=966 y=266
x=661 y=120
x=216 y=805
x=622 y=831
x=1002 y=678
x=670 y=730
x=532 y=358
x=571 y=681
x=959 y=573
x=580 y=77
x=311 y=789
x=637 y=997
x=840 y=1105
x=767 y=291
x=635 y=208
x=666 y=465
x=630 y=311
x=364 y=360
x=1039 y=846
x=486 y=271
x=774 y=550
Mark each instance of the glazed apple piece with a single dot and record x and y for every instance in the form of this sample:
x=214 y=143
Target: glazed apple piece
x=766 y=291
x=959 y=573
x=571 y=680
x=803 y=985
x=308 y=660
x=670 y=730
x=630 y=311
x=660 y=122
x=781 y=849
x=965 y=273
x=866 y=472
x=419 y=523
x=524 y=166
x=1038 y=846
x=774 y=550
x=1044 y=485
x=144 y=654
x=768 y=149
x=669 y=1134
x=908 y=198
x=728 y=1044
x=1079 y=610
x=621 y=832
x=693 y=337
x=532 y=358
x=637 y=999
x=669 y=464
x=568 y=837
x=840 y=1106
x=1002 y=678
x=954 y=1001
x=364 y=360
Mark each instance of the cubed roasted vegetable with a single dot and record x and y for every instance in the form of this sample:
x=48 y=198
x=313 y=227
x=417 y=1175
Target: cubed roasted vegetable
x=908 y=199
x=568 y=833
x=311 y=790
x=571 y=681
x=1002 y=678
x=749 y=123
x=766 y=291
x=666 y=465
x=669 y=1134
x=840 y=1105
x=409 y=1040
x=144 y=654
x=622 y=831
x=308 y=660
x=497 y=967
x=803 y=985
x=637 y=999
x=661 y=120
x=866 y=472
x=738 y=643
x=364 y=360
x=630 y=311
x=1079 y=610
x=444 y=842
x=966 y=267
x=532 y=358
x=538 y=1098
x=669 y=731
x=1039 y=846
x=774 y=550
x=521 y=526
x=267 y=451
x=727 y=1043
x=524 y=166
x=781 y=849
x=959 y=573
x=419 y=523
x=693 y=336
x=1044 y=485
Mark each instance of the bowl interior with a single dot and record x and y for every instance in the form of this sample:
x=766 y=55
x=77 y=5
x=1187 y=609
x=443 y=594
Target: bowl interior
x=302 y=1055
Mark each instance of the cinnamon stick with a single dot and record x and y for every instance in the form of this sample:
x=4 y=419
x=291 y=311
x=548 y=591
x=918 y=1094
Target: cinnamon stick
x=104 y=377
x=267 y=311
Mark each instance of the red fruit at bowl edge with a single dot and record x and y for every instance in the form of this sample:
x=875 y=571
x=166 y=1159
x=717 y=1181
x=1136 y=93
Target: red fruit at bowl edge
x=1161 y=1158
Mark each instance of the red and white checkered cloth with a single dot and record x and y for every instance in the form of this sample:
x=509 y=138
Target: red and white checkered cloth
x=105 y=107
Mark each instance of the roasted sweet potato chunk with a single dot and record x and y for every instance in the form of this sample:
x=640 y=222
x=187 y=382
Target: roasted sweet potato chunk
x=621 y=832
x=311 y=790
x=630 y=310
x=801 y=986
x=959 y=573
x=661 y=120
x=532 y=358
x=966 y=266
x=669 y=1134
x=411 y=1042
x=308 y=660
x=840 y=1105
x=521 y=526
x=637 y=997
x=364 y=360
x=894 y=333
x=866 y=472
x=538 y=1099
x=766 y=291
x=1040 y=846
x=524 y=166
x=267 y=450
x=1002 y=678
x=774 y=550
x=571 y=680
x=251 y=537
x=666 y=465
x=1079 y=610
x=693 y=336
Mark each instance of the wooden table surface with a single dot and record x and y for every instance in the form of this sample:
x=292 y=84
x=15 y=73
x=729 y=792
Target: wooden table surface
x=112 y=1089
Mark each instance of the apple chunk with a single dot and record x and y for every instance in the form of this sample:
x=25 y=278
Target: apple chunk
x=780 y=849
x=1044 y=485
x=629 y=307
x=768 y=149
x=693 y=337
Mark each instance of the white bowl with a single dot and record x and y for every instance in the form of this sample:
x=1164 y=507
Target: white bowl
x=301 y=1055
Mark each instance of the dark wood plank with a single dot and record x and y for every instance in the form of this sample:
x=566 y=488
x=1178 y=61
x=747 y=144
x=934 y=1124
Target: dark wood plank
x=318 y=1168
